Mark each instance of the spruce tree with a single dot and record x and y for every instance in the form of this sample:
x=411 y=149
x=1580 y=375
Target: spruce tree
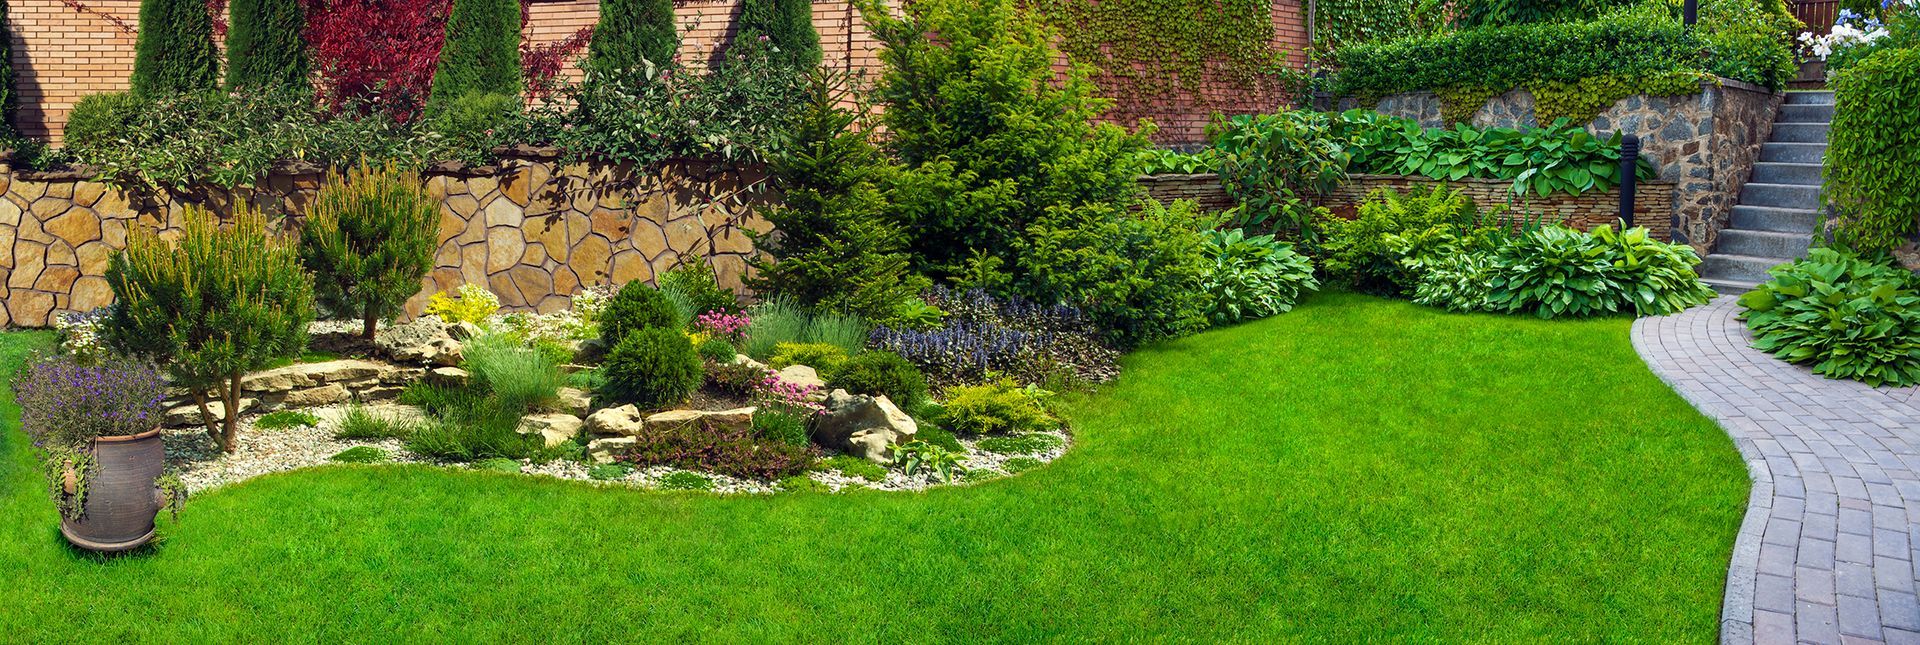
x=482 y=53
x=264 y=48
x=787 y=29
x=175 y=52
x=633 y=30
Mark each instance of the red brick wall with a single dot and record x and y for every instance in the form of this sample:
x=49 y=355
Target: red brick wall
x=61 y=54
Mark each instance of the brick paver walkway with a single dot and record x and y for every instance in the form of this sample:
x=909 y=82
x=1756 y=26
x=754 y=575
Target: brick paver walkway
x=1826 y=553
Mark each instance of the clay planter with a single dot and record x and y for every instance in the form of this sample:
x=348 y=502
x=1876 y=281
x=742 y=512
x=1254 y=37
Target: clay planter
x=122 y=499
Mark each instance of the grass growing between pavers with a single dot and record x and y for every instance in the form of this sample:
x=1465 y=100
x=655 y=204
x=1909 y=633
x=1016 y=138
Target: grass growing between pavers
x=1356 y=469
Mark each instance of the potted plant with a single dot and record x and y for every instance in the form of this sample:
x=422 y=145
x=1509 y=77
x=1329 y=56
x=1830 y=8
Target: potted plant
x=97 y=427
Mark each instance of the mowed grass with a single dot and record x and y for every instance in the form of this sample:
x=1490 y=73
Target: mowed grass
x=1357 y=469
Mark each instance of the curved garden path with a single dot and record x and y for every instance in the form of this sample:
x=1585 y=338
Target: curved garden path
x=1827 y=551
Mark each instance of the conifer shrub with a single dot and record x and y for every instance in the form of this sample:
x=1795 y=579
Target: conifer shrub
x=652 y=368
x=779 y=29
x=482 y=52
x=211 y=307
x=174 y=52
x=368 y=240
x=633 y=31
x=264 y=46
x=637 y=306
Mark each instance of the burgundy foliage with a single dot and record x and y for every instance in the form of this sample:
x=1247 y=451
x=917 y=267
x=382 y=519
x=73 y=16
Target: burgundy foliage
x=734 y=452
x=376 y=54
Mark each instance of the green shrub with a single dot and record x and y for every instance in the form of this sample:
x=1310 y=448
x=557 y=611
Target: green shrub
x=215 y=305
x=780 y=426
x=1453 y=272
x=283 y=419
x=1849 y=317
x=996 y=408
x=835 y=247
x=1497 y=13
x=481 y=54
x=1023 y=444
x=717 y=350
x=361 y=455
x=174 y=51
x=358 y=423
x=822 y=357
x=1137 y=274
x=1274 y=165
x=786 y=25
x=517 y=376
x=368 y=240
x=1253 y=277
x=939 y=436
x=632 y=34
x=1360 y=252
x=880 y=372
x=702 y=289
x=1873 y=160
x=471 y=126
x=653 y=368
x=1557 y=157
x=264 y=46
x=638 y=306
x=1559 y=272
x=97 y=120
x=852 y=466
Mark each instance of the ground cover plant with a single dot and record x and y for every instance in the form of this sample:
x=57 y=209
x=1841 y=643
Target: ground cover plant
x=1311 y=493
x=1848 y=316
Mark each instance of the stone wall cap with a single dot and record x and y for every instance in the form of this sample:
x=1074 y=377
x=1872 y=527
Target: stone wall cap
x=1174 y=176
x=1731 y=84
x=1480 y=180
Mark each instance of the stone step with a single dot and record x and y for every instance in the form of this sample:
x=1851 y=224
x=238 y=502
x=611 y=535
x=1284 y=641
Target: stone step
x=1799 y=133
x=1810 y=98
x=1780 y=196
x=1737 y=268
x=1799 y=174
x=1765 y=244
x=1793 y=152
x=1807 y=113
x=1783 y=220
x=1730 y=287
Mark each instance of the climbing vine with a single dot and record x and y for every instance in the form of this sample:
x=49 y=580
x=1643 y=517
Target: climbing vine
x=1146 y=50
x=1338 y=23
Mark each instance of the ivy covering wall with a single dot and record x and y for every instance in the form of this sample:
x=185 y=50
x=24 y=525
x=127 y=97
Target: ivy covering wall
x=1159 y=47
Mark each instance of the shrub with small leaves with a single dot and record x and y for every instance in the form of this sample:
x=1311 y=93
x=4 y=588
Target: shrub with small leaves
x=470 y=303
x=368 y=239
x=822 y=357
x=638 y=306
x=730 y=451
x=717 y=350
x=997 y=408
x=653 y=368
x=880 y=372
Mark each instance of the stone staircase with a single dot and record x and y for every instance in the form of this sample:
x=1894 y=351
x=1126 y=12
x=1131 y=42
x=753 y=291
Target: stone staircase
x=1780 y=205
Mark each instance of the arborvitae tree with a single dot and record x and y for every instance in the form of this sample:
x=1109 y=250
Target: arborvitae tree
x=211 y=307
x=8 y=100
x=175 y=52
x=368 y=242
x=633 y=30
x=264 y=48
x=482 y=54
x=782 y=28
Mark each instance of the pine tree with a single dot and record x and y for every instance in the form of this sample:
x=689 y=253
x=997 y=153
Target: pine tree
x=482 y=53
x=368 y=242
x=175 y=52
x=634 y=30
x=264 y=48
x=783 y=28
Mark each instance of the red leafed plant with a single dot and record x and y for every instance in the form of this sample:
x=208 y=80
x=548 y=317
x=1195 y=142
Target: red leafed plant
x=542 y=62
x=376 y=54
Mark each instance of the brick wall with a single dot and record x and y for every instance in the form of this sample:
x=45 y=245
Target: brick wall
x=62 y=54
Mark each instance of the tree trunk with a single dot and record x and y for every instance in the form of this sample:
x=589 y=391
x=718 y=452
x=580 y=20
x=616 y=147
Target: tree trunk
x=373 y=322
x=206 y=415
x=231 y=395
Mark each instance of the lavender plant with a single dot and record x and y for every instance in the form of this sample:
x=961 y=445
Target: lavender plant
x=66 y=403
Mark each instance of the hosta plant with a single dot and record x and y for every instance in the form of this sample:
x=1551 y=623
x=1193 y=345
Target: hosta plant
x=1559 y=272
x=1253 y=277
x=919 y=456
x=1847 y=316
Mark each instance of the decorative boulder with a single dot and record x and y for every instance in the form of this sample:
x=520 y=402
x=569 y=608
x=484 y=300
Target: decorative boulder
x=463 y=331
x=866 y=426
x=735 y=419
x=601 y=450
x=801 y=375
x=414 y=341
x=743 y=359
x=301 y=375
x=573 y=401
x=328 y=394
x=673 y=418
x=554 y=429
x=448 y=377
x=589 y=351
x=623 y=421
x=188 y=415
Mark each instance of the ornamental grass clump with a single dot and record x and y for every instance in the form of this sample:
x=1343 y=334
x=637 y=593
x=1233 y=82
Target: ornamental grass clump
x=65 y=404
x=368 y=241
x=211 y=307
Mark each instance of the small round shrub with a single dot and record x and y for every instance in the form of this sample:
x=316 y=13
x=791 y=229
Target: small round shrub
x=781 y=426
x=995 y=408
x=718 y=350
x=637 y=306
x=881 y=372
x=822 y=357
x=653 y=368
x=99 y=119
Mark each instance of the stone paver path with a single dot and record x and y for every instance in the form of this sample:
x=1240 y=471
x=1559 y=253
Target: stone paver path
x=1827 y=551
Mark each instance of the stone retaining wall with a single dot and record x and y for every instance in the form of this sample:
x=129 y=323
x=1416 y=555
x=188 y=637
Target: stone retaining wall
x=1203 y=188
x=1705 y=143
x=533 y=229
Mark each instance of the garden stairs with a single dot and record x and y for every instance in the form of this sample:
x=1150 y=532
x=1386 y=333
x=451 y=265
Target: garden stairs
x=1780 y=206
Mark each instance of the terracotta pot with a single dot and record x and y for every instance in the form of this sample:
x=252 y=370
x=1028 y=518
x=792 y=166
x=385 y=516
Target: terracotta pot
x=122 y=499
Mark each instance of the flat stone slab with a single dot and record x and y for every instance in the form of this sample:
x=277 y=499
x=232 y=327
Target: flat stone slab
x=1827 y=550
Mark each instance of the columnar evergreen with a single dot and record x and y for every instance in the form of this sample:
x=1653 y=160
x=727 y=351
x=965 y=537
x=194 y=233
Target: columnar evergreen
x=9 y=101
x=783 y=28
x=175 y=51
x=482 y=53
x=634 y=30
x=264 y=48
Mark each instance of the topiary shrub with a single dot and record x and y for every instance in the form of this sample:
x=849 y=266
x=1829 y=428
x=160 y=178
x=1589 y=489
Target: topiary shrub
x=215 y=305
x=637 y=306
x=264 y=45
x=1849 y=317
x=481 y=55
x=881 y=372
x=1873 y=158
x=369 y=239
x=654 y=367
x=633 y=34
x=174 y=52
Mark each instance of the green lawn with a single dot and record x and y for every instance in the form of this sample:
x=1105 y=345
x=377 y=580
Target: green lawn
x=1357 y=468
